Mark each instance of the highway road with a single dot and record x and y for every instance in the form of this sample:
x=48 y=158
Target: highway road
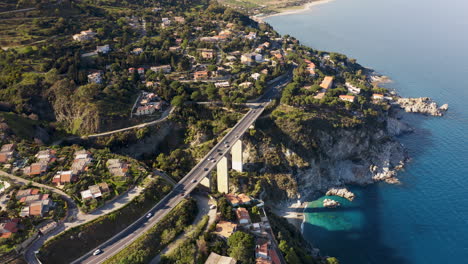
x=187 y=184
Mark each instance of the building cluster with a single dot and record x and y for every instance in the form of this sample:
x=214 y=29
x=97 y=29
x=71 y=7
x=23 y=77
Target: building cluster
x=44 y=159
x=80 y=164
x=265 y=250
x=148 y=104
x=35 y=203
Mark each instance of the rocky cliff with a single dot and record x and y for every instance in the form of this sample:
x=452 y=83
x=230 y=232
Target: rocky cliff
x=316 y=158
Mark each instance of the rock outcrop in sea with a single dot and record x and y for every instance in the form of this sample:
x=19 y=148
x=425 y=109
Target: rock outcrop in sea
x=424 y=105
x=341 y=192
x=329 y=203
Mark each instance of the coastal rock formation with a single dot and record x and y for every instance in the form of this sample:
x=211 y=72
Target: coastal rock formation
x=306 y=160
x=423 y=105
x=386 y=174
x=341 y=192
x=329 y=203
x=396 y=127
x=444 y=107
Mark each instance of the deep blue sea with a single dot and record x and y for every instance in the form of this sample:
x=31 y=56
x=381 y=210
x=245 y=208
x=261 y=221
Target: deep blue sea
x=423 y=46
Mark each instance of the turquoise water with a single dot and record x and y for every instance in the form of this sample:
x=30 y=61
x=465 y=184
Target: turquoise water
x=423 y=46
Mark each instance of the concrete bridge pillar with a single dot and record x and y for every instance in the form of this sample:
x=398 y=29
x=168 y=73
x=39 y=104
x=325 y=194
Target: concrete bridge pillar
x=206 y=182
x=223 y=178
x=236 y=154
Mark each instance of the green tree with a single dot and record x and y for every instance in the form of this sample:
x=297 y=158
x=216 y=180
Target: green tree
x=241 y=246
x=177 y=101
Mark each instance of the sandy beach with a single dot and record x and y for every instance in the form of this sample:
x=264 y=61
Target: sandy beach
x=296 y=11
x=294 y=214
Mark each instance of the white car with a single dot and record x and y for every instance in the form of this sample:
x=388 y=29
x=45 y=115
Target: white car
x=212 y=206
x=97 y=252
x=149 y=215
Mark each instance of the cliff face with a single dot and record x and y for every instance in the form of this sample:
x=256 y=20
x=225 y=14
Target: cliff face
x=319 y=158
x=350 y=156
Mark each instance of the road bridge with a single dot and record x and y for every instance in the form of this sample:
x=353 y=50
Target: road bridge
x=229 y=148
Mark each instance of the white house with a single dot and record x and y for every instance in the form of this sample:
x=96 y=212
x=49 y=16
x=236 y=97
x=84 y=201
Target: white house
x=145 y=110
x=95 y=77
x=137 y=51
x=84 y=35
x=103 y=49
x=162 y=68
x=378 y=96
x=352 y=89
x=222 y=84
x=255 y=76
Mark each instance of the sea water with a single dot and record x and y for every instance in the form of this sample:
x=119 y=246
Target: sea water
x=422 y=45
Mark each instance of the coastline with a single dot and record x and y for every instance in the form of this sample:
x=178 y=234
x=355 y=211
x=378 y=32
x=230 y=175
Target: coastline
x=303 y=8
x=294 y=213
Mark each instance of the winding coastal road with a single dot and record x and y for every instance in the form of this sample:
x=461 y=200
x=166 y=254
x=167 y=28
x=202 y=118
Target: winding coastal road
x=187 y=184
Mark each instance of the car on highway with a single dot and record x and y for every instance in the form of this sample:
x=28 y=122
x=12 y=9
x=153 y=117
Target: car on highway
x=149 y=215
x=213 y=160
x=97 y=252
x=182 y=194
x=206 y=169
x=194 y=181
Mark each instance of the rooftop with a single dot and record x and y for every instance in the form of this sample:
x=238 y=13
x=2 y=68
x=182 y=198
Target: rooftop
x=225 y=228
x=327 y=82
x=218 y=259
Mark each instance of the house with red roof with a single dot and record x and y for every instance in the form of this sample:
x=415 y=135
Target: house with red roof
x=347 y=98
x=243 y=216
x=8 y=227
